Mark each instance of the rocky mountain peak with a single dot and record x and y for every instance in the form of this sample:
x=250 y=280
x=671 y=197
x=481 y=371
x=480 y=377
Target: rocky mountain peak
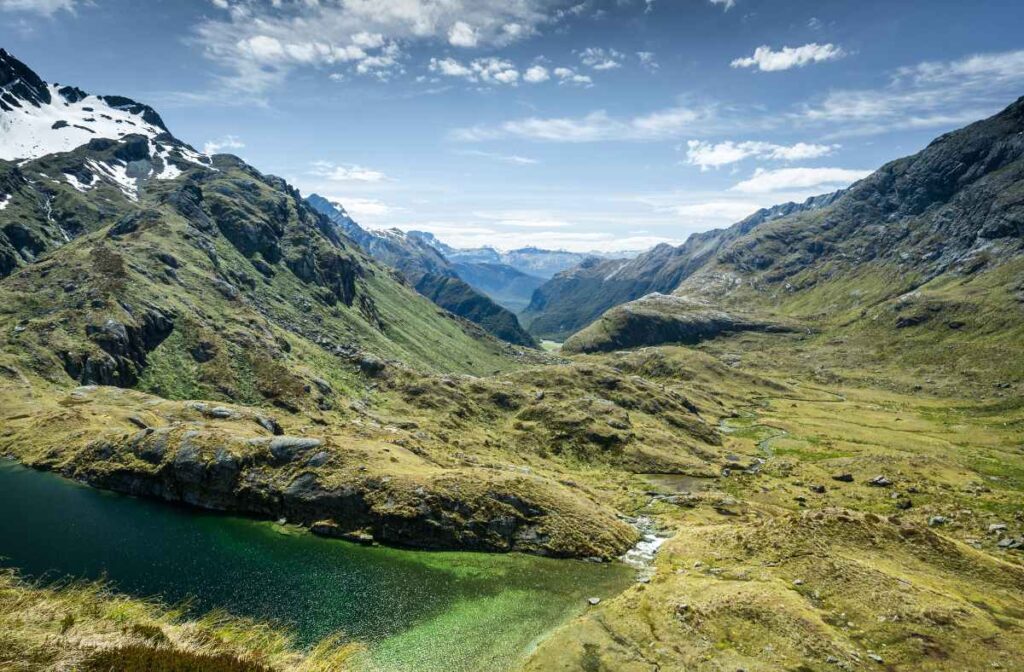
x=38 y=118
x=19 y=85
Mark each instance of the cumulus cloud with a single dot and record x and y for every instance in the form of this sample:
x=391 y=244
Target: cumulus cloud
x=570 y=76
x=346 y=173
x=718 y=211
x=490 y=70
x=766 y=181
x=726 y=4
x=44 y=7
x=536 y=74
x=601 y=59
x=217 y=146
x=714 y=155
x=259 y=43
x=766 y=59
x=462 y=35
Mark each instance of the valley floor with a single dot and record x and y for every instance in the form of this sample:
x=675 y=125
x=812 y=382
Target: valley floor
x=851 y=518
x=857 y=523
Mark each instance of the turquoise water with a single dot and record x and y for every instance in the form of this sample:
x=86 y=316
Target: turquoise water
x=415 y=610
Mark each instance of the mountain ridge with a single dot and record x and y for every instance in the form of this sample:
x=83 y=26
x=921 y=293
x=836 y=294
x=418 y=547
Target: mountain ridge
x=576 y=297
x=429 y=272
x=936 y=224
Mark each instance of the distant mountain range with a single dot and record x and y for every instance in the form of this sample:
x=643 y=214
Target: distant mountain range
x=429 y=272
x=576 y=297
x=529 y=260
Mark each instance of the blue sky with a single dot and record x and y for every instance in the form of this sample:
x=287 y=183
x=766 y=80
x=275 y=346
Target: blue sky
x=604 y=124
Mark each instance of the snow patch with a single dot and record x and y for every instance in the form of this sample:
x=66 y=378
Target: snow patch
x=117 y=174
x=616 y=271
x=5 y=201
x=77 y=184
x=61 y=126
x=169 y=171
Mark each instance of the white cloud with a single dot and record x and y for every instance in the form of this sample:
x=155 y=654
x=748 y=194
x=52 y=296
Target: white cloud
x=449 y=67
x=217 y=146
x=570 y=76
x=259 y=43
x=524 y=219
x=647 y=60
x=765 y=181
x=364 y=208
x=347 y=173
x=714 y=155
x=536 y=74
x=601 y=59
x=506 y=158
x=489 y=70
x=926 y=95
x=44 y=7
x=594 y=127
x=726 y=4
x=718 y=212
x=462 y=35
x=767 y=60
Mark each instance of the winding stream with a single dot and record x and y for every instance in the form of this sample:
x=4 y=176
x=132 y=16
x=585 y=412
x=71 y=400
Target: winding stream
x=415 y=610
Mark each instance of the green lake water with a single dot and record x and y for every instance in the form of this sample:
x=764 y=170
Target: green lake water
x=415 y=610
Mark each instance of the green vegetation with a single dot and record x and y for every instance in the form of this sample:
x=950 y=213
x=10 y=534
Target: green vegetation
x=88 y=627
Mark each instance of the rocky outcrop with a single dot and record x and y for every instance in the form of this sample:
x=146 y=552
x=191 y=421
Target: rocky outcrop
x=123 y=347
x=280 y=477
x=658 y=319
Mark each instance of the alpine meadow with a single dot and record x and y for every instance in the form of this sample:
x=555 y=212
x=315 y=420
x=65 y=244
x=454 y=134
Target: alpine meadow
x=508 y=336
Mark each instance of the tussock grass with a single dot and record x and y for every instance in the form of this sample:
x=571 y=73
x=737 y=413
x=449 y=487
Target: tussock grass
x=89 y=627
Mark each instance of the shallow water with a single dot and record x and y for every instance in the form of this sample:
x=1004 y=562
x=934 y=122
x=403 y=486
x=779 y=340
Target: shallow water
x=416 y=610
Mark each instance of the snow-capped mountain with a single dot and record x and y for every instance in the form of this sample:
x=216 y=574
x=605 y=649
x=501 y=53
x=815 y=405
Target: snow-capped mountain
x=38 y=118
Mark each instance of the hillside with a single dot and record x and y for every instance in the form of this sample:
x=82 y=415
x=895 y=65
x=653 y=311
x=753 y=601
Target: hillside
x=922 y=256
x=190 y=329
x=574 y=298
x=429 y=272
x=508 y=286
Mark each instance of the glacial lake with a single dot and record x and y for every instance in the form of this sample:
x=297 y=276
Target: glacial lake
x=415 y=610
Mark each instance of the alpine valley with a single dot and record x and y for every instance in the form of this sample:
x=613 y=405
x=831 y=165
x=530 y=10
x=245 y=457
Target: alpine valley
x=796 y=443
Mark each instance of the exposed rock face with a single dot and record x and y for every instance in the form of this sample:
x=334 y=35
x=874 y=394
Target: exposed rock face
x=124 y=348
x=658 y=319
x=220 y=471
x=20 y=85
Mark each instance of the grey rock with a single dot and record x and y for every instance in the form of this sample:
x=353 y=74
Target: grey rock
x=289 y=448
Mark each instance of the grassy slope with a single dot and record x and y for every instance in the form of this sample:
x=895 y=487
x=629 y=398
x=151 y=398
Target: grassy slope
x=774 y=575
